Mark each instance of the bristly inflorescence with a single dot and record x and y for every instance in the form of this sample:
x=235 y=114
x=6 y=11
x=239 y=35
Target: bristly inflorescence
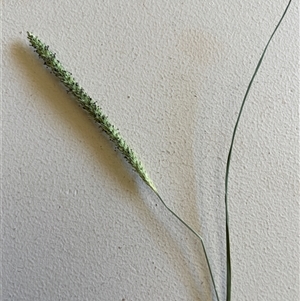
x=89 y=105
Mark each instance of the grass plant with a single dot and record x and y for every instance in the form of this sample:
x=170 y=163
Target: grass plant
x=86 y=102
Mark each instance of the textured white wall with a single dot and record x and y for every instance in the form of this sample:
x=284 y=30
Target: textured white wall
x=78 y=224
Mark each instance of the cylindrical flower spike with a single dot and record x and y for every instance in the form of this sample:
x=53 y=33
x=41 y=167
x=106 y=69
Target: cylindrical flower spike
x=89 y=105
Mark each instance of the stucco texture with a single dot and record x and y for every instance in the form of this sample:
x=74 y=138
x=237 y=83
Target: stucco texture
x=78 y=223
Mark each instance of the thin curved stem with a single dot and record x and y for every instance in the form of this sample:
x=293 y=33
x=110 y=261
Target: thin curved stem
x=197 y=235
x=228 y=294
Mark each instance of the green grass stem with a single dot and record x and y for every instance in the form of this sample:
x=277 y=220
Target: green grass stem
x=228 y=260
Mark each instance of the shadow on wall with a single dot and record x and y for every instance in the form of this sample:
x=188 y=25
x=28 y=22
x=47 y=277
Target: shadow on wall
x=194 y=52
